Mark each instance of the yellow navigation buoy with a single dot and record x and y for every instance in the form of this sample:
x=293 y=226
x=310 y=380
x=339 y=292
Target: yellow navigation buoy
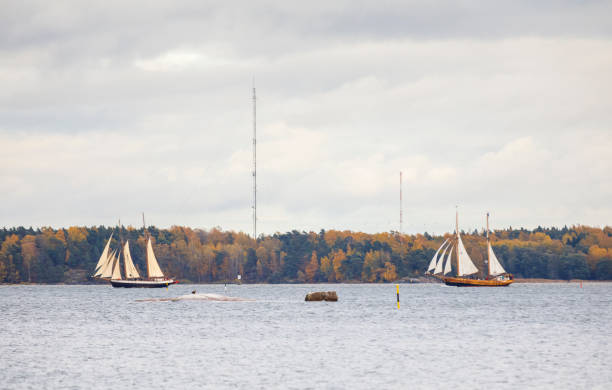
x=397 y=289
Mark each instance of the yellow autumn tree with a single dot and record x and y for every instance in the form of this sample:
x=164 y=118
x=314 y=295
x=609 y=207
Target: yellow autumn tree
x=259 y=268
x=331 y=236
x=9 y=251
x=60 y=235
x=339 y=257
x=596 y=254
x=263 y=262
x=77 y=234
x=540 y=237
x=373 y=265
x=215 y=235
x=29 y=253
x=419 y=242
x=236 y=256
x=3 y=272
x=327 y=269
x=207 y=264
x=312 y=267
x=390 y=274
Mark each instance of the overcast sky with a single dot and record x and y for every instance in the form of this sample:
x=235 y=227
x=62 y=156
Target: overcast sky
x=112 y=108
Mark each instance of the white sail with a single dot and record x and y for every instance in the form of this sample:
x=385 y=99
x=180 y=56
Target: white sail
x=106 y=271
x=101 y=271
x=440 y=261
x=116 y=269
x=434 y=259
x=130 y=270
x=448 y=267
x=103 y=257
x=466 y=266
x=152 y=265
x=494 y=264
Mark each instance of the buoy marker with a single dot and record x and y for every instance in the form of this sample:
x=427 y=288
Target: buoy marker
x=397 y=290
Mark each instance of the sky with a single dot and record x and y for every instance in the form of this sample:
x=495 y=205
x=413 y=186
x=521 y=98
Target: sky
x=113 y=108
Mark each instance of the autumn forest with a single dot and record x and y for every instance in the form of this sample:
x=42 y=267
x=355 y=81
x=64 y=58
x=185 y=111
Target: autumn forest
x=69 y=255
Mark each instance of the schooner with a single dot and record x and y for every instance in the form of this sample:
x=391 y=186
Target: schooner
x=465 y=270
x=109 y=268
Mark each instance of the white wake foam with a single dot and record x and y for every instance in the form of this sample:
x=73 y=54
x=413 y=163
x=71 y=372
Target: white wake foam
x=198 y=297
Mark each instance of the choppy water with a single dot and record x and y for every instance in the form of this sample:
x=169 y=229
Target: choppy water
x=523 y=336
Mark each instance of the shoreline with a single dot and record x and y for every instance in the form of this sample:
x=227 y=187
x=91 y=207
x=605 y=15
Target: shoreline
x=539 y=280
x=410 y=281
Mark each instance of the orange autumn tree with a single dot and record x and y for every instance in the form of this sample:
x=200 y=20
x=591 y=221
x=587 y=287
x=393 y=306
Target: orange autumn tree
x=374 y=265
x=338 y=260
x=390 y=274
x=312 y=268
x=29 y=252
x=49 y=255
x=327 y=269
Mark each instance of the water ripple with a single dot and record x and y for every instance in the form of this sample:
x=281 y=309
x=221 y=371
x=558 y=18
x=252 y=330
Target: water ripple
x=525 y=336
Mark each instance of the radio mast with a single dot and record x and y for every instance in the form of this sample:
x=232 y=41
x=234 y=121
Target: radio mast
x=254 y=164
x=401 y=216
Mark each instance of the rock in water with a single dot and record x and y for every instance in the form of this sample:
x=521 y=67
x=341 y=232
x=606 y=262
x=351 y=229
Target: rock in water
x=329 y=296
x=315 y=296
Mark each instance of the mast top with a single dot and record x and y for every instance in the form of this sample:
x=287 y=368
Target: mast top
x=457 y=220
x=144 y=225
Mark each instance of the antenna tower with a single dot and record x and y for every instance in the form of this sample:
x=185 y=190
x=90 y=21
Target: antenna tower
x=401 y=211
x=254 y=164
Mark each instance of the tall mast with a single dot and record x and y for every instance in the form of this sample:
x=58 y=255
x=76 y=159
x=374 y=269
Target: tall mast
x=457 y=235
x=120 y=251
x=488 y=260
x=124 y=262
x=254 y=164
x=144 y=229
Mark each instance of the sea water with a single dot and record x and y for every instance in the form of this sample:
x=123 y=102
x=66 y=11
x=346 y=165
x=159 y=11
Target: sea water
x=98 y=337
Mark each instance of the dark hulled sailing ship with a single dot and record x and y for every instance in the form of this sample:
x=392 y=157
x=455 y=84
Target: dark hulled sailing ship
x=109 y=268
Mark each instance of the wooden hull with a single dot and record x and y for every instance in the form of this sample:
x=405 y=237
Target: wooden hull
x=142 y=283
x=463 y=282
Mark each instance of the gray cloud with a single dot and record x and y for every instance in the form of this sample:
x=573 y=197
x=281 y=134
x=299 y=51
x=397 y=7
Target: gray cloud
x=109 y=109
x=272 y=27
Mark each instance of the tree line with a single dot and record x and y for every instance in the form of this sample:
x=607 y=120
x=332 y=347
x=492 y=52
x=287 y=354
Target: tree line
x=47 y=255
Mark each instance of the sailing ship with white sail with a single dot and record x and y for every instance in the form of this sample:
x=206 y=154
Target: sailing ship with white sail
x=466 y=273
x=109 y=268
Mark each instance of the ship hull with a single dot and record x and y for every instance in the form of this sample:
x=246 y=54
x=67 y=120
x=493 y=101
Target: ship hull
x=464 y=282
x=142 y=283
x=436 y=278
